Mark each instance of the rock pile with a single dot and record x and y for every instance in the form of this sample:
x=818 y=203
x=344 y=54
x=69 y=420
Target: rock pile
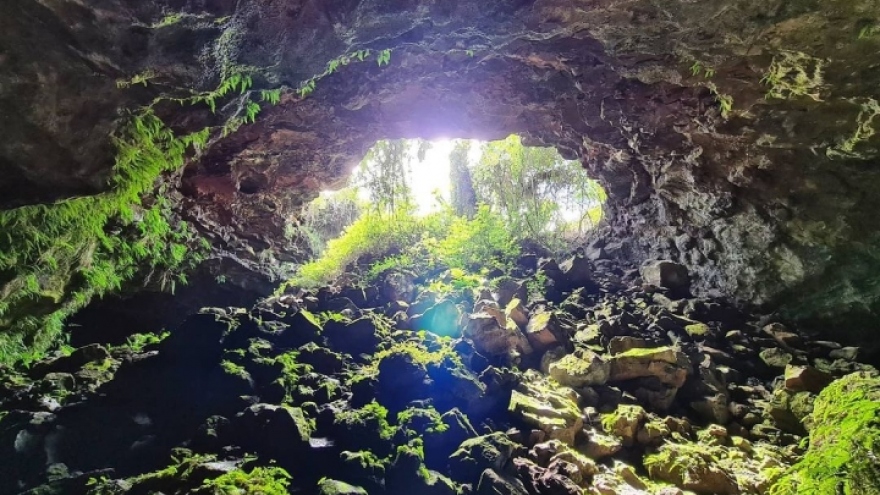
x=571 y=378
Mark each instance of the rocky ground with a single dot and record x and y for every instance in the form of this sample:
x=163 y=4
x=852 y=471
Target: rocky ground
x=569 y=378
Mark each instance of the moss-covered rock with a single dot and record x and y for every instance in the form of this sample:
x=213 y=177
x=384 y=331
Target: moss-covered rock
x=667 y=364
x=478 y=454
x=581 y=368
x=550 y=407
x=334 y=487
x=844 y=442
x=624 y=422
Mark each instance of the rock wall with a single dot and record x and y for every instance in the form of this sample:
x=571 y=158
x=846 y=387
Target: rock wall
x=735 y=137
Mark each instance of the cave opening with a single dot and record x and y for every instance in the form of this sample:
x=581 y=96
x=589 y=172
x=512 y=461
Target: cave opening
x=423 y=190
x=712 y=335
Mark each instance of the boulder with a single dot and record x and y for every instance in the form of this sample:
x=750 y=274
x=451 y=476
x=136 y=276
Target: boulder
x=783 y=336
x=544 y=332
x=669 y=365
x=844 y=441
x=599 y=445
x=690 y=468
x=550 y=408
x=541 y=480
x=624 y=422
x=806 y=378
x=581 y=368
x=492 y=339
x=398 y=286
x=356 y=337
x=775 y=358
x=666 y=274
x=440 y=443
x=506 y=289
x=334 y=487
x=476 y=455
x=578 y=272
x=516 y=311
x=494 y=483
x=259 y=428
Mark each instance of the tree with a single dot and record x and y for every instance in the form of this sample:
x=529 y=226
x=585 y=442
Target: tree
x=463 y=196
x=541 y=195
x=384 y=174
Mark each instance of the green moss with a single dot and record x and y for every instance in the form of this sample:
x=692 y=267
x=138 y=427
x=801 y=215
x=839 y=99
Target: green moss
x=415 y=420
x=643 y=352
x=233 y=369
x=139 y=341
x=259 y=481
x=419 y=353
x=844 y=442
x=697 y=329
x=373 y=417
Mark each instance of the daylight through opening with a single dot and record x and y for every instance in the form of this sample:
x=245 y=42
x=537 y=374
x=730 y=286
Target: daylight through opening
x=454 y=204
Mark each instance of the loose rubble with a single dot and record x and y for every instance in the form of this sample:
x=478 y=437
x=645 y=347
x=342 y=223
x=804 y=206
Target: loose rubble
x=608 y=382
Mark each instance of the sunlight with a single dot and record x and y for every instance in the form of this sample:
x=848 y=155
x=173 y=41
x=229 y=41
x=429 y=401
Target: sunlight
x=430 y=178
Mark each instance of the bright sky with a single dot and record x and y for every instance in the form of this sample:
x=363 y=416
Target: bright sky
x=432 y=174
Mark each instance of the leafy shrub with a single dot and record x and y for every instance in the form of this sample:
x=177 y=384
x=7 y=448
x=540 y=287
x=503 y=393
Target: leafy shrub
x=438 y=240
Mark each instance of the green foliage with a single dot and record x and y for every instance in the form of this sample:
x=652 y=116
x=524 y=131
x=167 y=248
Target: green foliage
x=384 y=174
x=371 y=233
x=539 y=195
x=456 y=281
x=418 y=352
x=60 y=256
x=372 y=417
x=481 y=242
x=41 y=244
x=383 y=57
x=869 y=31
x=844 y=442
x=409 y=418
x=259 y=481
x=725 y=101
x=138 y=341
x=697 y=68
x=143 y=78
x=792 y=74
x=233 y=369
x=869 y=110
x=331 y=316
x=326 y=218
x=168 y=20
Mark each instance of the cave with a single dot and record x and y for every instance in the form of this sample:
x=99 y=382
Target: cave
x=155 y=153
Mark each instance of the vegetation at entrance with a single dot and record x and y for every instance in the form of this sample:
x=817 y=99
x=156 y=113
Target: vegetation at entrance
x=510 y=194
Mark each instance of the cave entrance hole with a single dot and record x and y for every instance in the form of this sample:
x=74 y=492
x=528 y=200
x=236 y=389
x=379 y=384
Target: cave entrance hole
x=448 y=202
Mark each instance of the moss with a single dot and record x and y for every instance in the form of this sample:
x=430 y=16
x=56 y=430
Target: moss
x=624 y=421
x=259 y=481
x=370 y=419
x=419 y=353
x=233 y=369
x=697 y=329
x=416 y=420
x=844 y=442
x=639 y=352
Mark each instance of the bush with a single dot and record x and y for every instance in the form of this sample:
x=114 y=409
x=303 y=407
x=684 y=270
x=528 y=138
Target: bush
x=402 y=240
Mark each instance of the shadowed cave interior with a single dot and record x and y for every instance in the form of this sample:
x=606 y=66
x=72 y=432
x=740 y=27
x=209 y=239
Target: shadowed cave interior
x=713 y=334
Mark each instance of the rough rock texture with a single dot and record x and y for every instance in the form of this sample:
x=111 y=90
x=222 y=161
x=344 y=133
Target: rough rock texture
x=354 y=400
x=734 y=137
